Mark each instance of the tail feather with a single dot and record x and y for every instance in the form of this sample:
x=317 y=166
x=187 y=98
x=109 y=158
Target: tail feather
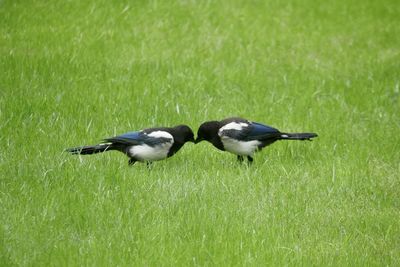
x=87 y=150
x=298 y=136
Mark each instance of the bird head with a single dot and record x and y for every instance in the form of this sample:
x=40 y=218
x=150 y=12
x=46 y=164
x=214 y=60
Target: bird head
x=186 y=132
x=207 y=131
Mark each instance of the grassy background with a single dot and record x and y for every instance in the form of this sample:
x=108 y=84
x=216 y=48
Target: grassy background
x=73 y=72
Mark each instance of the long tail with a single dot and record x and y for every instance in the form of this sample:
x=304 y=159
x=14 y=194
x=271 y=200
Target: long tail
x=87 y=150
x=298 y=136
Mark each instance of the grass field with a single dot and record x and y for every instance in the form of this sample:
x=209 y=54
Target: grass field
x=74 y=72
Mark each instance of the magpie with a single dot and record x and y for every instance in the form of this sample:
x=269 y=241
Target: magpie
x=242 y=137
x=147 y=145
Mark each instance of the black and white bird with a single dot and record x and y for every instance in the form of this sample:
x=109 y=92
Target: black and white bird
x=147 y=145
x=242 y=137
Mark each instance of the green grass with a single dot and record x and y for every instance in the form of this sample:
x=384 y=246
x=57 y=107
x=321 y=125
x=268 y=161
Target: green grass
x=73 y=72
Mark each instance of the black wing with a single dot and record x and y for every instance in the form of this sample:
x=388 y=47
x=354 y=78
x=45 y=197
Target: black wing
x=243 y=130
x=137 y=138
x=258 y=131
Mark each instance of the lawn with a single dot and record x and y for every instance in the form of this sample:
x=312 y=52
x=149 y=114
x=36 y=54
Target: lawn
x=74 y=72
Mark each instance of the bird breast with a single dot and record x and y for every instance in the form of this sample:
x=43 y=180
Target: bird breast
x=150 y=153
x=243 y=148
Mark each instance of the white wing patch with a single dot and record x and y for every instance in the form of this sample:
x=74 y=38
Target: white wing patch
x=243 y=148
x=152 y=153
x=234 y=126
x=158 y=134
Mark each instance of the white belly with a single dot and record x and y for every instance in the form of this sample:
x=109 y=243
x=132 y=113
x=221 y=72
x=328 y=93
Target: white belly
x=243 y=148
x=149 y=153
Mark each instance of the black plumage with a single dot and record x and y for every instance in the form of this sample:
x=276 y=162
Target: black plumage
x=242 y=137
x=146 y=146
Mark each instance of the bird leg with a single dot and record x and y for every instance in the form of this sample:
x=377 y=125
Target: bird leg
x=240 y=158
x=250 y=159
